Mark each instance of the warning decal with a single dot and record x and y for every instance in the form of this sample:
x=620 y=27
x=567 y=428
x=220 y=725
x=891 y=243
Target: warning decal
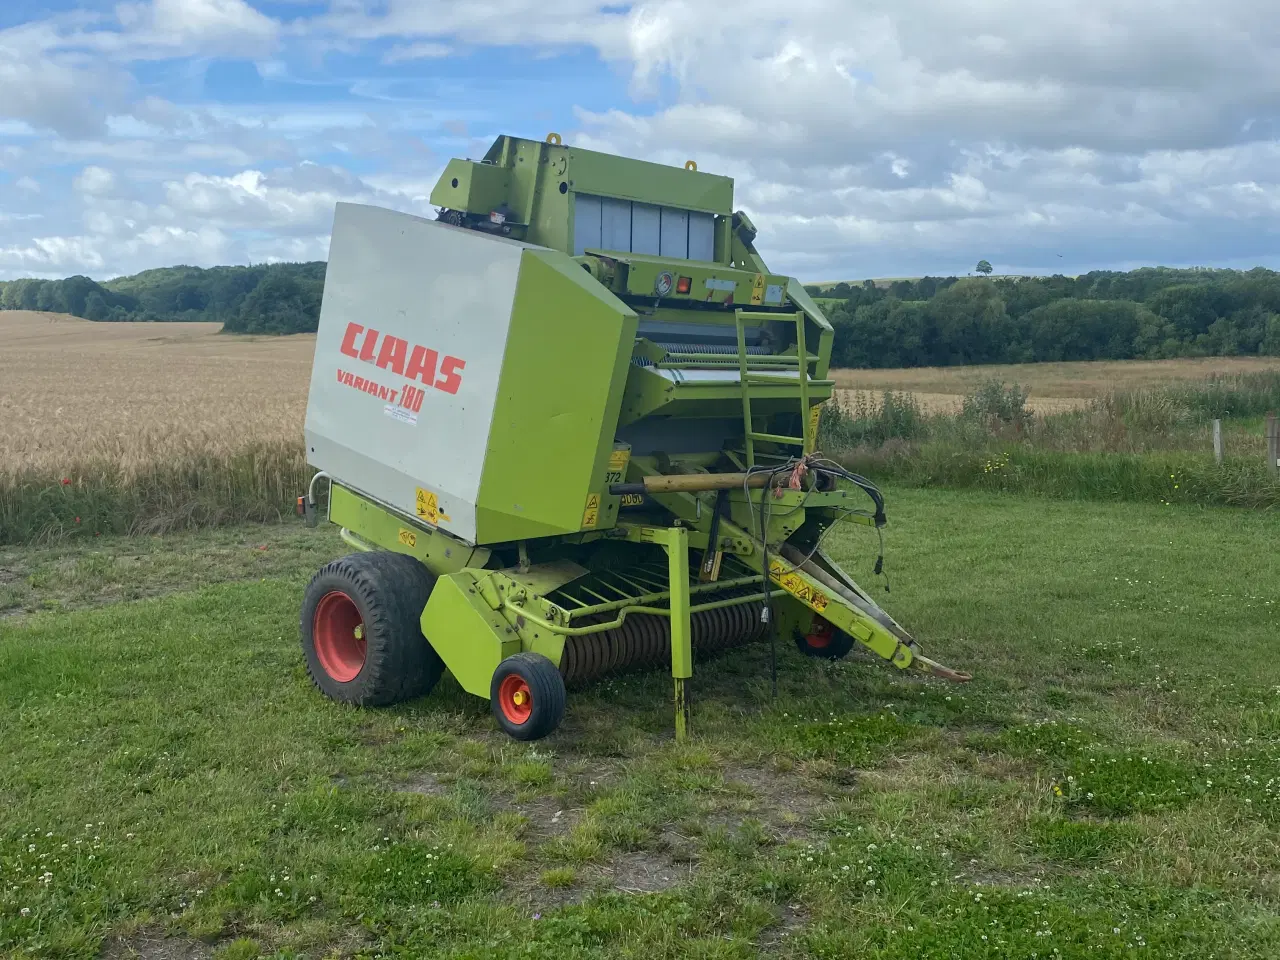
x=757 y=289
x=591 y=515
x=428 y=507
x=408 y=537
x=815 y=417
x=796 y=585
x=618 y=461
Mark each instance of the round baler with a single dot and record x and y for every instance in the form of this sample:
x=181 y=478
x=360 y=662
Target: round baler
x=569 y=427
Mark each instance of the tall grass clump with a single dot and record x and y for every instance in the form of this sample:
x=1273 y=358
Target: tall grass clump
x=256 y=483
x=867 y=421
x=1148 y=445
x=997 y=404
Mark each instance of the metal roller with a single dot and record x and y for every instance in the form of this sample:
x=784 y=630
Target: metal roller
x=644 y=641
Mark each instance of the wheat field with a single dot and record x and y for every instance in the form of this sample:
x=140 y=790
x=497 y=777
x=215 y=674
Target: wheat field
x=134 y=394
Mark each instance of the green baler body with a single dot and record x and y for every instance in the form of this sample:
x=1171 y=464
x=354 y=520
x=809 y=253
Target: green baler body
x=573 y=321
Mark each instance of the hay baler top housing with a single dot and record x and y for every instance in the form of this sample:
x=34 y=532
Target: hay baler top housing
x=546 y=397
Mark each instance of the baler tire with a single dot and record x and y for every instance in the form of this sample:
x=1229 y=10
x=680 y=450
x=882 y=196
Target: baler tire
x=388 y=592
x=537 y=678
x=837 y=645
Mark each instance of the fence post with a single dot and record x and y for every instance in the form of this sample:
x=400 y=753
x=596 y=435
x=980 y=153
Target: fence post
x=1273 y=444
x=1217 y=441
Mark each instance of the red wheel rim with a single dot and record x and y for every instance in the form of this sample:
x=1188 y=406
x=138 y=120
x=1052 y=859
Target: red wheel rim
x=819 y=637
x=514 y=698
x=338 y=631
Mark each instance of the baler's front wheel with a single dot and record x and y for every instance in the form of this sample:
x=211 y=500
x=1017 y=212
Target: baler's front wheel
x=361 y=632
x=527 y=696
x=824 y=641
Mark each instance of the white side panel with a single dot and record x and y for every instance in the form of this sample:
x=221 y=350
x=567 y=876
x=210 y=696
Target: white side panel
x=615 y=224
x=675 y=233
x=410 y=303
x=646 y=229
x=586 y=223
x=702 y=236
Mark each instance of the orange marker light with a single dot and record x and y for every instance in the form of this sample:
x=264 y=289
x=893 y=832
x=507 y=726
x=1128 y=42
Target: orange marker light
x=684 y=285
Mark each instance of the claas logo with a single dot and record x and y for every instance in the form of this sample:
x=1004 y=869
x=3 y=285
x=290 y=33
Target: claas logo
x=414 y=363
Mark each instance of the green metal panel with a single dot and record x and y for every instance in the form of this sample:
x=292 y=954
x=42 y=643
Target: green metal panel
x=641 y=270
x=475 y=187
x=817 y=326
x=604 y=175
x=538 y=182
x=559 y=395
x=470 y=636
x=439 y=552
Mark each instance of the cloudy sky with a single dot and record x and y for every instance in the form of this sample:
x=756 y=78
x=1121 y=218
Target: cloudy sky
x=866 y=137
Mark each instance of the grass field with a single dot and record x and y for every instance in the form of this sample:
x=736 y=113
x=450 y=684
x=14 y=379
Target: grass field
x=1108 y=785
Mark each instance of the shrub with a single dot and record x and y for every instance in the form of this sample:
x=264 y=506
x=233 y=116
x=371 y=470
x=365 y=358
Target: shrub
x=995 y=402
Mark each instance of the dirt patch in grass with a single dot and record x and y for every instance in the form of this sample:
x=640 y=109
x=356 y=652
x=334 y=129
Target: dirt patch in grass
x=787 y=805
x=645 y=871
x=790 y=922
x=425 y=784
x=547 y=815
x=155 y=945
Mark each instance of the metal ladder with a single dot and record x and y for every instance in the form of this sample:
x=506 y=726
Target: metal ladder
x=748 y=379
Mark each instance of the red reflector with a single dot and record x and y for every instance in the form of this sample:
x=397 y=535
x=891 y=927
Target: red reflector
x=301 y=508
x=684 y=285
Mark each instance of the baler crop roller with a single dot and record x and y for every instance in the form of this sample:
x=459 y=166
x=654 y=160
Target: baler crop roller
x=568 y=427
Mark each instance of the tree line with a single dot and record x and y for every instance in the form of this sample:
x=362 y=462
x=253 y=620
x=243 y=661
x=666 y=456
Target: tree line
x=1150 y=313
x=267 y=298
x=1153 y=312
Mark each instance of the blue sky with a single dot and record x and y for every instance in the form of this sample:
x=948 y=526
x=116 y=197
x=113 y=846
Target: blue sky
x=876 y=138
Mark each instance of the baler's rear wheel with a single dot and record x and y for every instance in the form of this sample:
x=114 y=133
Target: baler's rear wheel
x=824 y=641
x=361 y=633
x=527 y=696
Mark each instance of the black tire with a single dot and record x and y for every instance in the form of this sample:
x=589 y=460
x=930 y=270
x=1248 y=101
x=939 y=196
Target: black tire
x=536 y=677
x=385 y=593
x=824 y=641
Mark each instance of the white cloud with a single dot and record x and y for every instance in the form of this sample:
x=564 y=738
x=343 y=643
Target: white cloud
x=890 y=136
x=196 y=26
x=29 y=184
x=416 y=51
x=94 y=181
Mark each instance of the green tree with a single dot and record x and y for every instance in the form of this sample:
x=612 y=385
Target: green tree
x=984 y=268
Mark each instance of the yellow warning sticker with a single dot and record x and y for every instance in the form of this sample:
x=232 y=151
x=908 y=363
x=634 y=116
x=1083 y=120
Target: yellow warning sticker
x=815 y=417
x=618 y=461
x=428 y=506
x=591 y=515
x=796 y=585
x=408 y=537
x=757 y=289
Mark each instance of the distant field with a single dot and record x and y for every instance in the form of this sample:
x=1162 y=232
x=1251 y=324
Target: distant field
x=131 y=393
x=1053 y=386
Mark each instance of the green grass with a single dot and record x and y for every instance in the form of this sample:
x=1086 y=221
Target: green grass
x=1108 y=784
